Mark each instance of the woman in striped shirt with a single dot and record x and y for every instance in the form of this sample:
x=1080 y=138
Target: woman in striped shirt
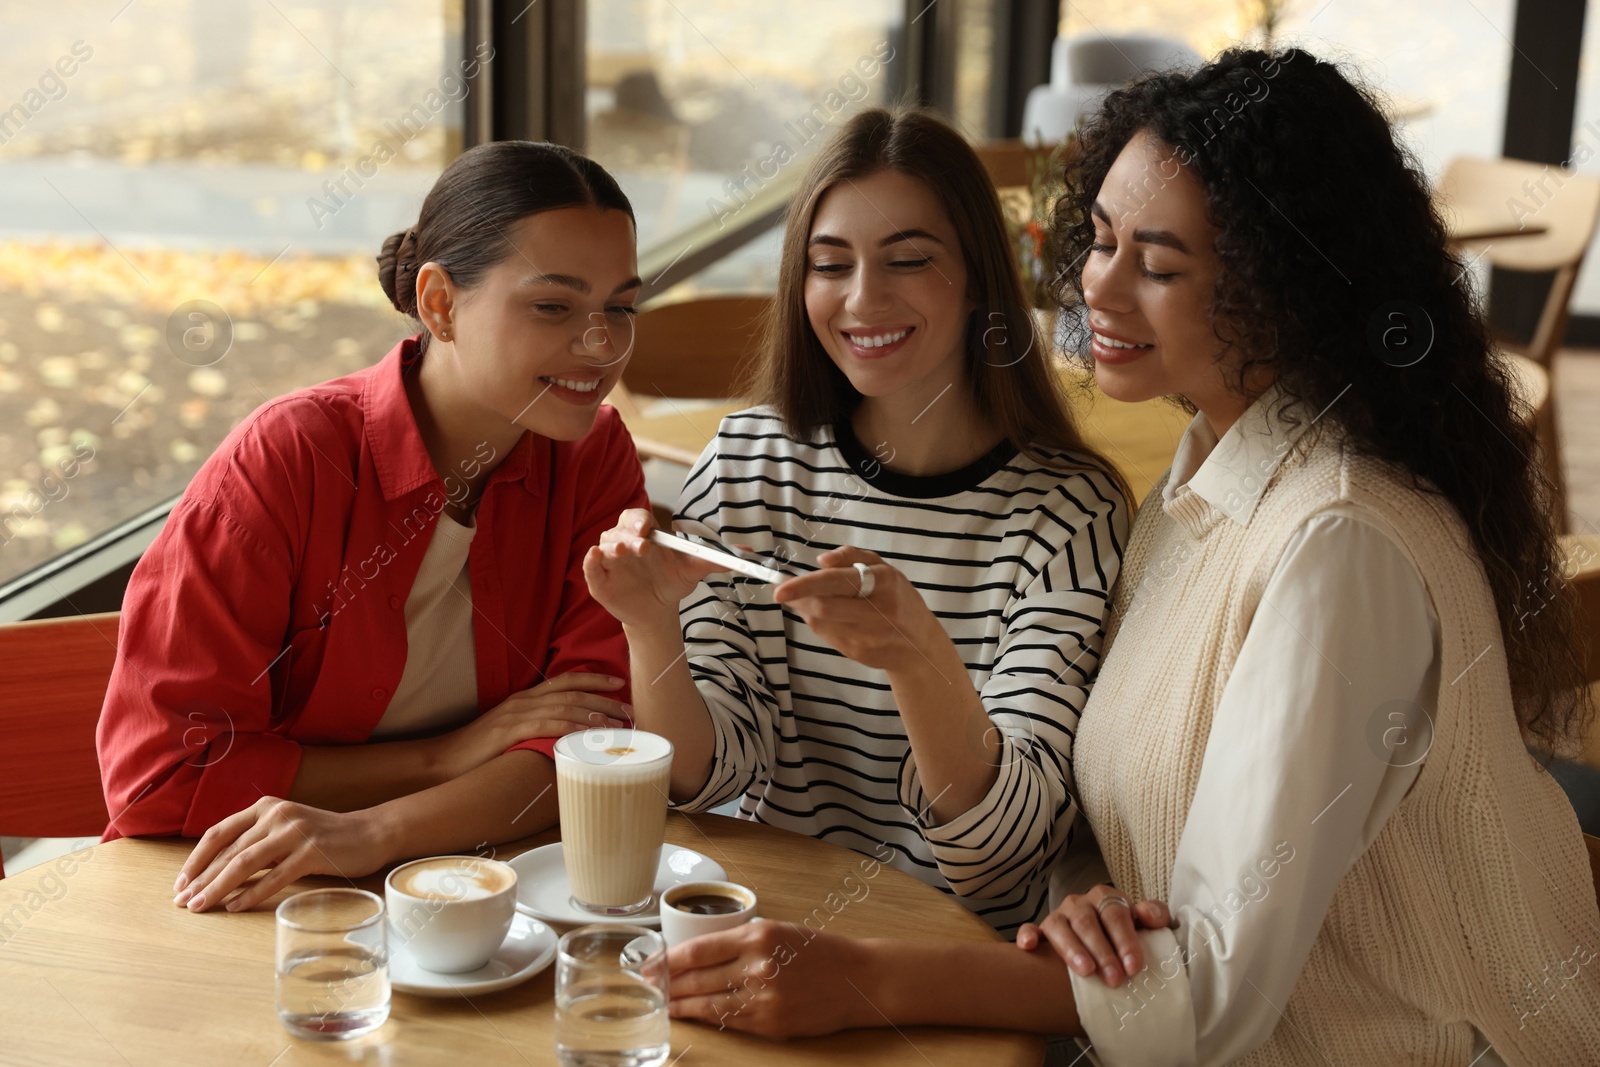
x=911 y=689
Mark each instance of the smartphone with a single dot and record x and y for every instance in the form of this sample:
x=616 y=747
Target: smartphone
x=726 y=560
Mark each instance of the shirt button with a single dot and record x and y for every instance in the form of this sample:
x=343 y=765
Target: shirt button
x=378 y=694
x=394 y=602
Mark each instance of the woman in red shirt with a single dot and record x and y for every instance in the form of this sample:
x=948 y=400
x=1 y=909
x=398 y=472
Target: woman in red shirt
x=366 y=621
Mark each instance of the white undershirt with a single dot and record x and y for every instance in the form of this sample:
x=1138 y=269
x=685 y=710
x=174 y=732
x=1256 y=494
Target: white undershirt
x=439 y=687
x=1346 y=633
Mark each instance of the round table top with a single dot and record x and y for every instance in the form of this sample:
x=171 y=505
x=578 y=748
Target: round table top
x=98 y=966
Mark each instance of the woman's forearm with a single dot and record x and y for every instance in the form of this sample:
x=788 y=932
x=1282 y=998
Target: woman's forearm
x=511 y=796
x=352 y=777
x=667 y=702
x=952 y=737
x=961 y=983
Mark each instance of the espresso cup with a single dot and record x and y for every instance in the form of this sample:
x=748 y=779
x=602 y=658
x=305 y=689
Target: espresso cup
x=612 y=790
x=696 y=908
x=451 y=912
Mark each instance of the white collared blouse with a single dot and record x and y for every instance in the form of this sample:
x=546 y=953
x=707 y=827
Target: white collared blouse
x=1344 y=657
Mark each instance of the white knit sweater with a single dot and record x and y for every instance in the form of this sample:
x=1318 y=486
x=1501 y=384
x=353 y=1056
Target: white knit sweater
x=1473 y=906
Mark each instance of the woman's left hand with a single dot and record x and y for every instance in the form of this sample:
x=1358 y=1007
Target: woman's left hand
x=1094 y=931
x=291 y=839
x=771 y=979
x=884 y=630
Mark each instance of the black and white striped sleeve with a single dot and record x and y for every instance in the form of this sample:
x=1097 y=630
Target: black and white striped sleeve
x=1045 y=666
x=723 y=659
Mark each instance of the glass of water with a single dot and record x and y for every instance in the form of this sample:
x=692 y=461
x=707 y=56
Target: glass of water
x=611 y=997
x=333 y=963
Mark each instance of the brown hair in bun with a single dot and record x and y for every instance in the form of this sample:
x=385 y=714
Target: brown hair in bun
x=480 y=196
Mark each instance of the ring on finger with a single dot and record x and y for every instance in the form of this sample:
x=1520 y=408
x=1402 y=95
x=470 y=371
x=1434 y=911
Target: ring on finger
x=1112 y=899
x=869 y=580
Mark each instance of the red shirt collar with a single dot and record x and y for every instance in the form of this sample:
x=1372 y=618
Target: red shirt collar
x=398 y=454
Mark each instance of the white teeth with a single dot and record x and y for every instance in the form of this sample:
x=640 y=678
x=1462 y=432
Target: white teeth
x=879 y=341
x=577 y=387
x=1110 y=343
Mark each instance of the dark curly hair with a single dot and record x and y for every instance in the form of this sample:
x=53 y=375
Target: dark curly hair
x=1328 y=238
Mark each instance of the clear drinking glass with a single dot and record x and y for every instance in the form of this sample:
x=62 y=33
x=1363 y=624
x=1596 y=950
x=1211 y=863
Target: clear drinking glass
x=333 y=963
x=611 y=998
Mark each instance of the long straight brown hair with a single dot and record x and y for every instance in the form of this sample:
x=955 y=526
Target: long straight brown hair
x=1008 y=364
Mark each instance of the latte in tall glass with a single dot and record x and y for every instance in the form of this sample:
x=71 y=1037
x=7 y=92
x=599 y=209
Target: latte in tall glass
x=612 y=787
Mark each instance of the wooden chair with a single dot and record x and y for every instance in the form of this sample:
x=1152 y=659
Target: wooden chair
x=695 y=349
x=54 y=675
x=1581 y=568
x=1010 y=163
x=1551 y=233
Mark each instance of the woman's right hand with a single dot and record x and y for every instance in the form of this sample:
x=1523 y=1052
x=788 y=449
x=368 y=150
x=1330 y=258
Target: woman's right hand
x=639 y=583
x=556 y=706
x=1084 y=928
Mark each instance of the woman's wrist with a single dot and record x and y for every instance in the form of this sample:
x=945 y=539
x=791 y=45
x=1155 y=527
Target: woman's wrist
x=884 y=980
x=440 y=757
x=659 y=631
x=383 y=825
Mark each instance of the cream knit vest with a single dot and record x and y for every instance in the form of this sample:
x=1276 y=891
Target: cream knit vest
x=1474 y=906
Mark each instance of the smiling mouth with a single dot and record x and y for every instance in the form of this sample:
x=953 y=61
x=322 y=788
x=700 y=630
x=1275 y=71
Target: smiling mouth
x=572 y=383
x=876 y=341
x=862 y=339
x=1111 y=342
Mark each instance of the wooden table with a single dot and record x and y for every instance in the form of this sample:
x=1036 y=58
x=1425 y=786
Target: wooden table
x=98 y=967
x=1469 y=224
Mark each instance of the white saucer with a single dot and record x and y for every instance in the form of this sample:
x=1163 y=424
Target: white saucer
x=527 y=950
x=544 y=893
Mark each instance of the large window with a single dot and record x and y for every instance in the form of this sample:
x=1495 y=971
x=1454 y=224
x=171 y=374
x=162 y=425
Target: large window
x=1443 y=63
x=1585 y=156
x=698 y=105
x=191 y=196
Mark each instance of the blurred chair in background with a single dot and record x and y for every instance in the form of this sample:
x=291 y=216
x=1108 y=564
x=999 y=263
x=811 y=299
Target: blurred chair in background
x=1534 y=234
x=54 y=673
x=1083 y=69
x=694 y=349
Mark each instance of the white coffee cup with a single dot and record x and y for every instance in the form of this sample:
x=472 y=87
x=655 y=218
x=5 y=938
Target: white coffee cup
x=684 y=911
x=451 y=912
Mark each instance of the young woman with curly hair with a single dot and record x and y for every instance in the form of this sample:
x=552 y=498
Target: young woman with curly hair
x=1338 y=634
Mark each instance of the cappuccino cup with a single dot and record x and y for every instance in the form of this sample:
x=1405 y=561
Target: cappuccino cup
x=451 y=912
x=612 y=788
x=696 y=908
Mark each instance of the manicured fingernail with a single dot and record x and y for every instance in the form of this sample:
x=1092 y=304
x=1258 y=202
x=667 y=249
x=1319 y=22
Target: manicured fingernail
x=198 y=902
x=183 y=897
x=232 y=905
x=183 y=880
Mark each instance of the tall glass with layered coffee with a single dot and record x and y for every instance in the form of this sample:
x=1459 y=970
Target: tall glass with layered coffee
x=612 y=786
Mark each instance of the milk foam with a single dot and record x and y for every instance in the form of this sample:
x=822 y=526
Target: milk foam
x=619 y=755
x=447 y=883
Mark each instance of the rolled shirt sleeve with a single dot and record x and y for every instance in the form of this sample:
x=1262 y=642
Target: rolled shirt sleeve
x=1043 y=671
x=1293 y=788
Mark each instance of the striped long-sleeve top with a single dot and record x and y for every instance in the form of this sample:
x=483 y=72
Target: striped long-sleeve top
x=1016 y=558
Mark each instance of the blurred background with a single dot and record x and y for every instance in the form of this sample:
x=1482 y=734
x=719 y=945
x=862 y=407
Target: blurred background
x=192 y=191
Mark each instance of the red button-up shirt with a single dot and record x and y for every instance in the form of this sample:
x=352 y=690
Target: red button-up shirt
x=269 y=613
